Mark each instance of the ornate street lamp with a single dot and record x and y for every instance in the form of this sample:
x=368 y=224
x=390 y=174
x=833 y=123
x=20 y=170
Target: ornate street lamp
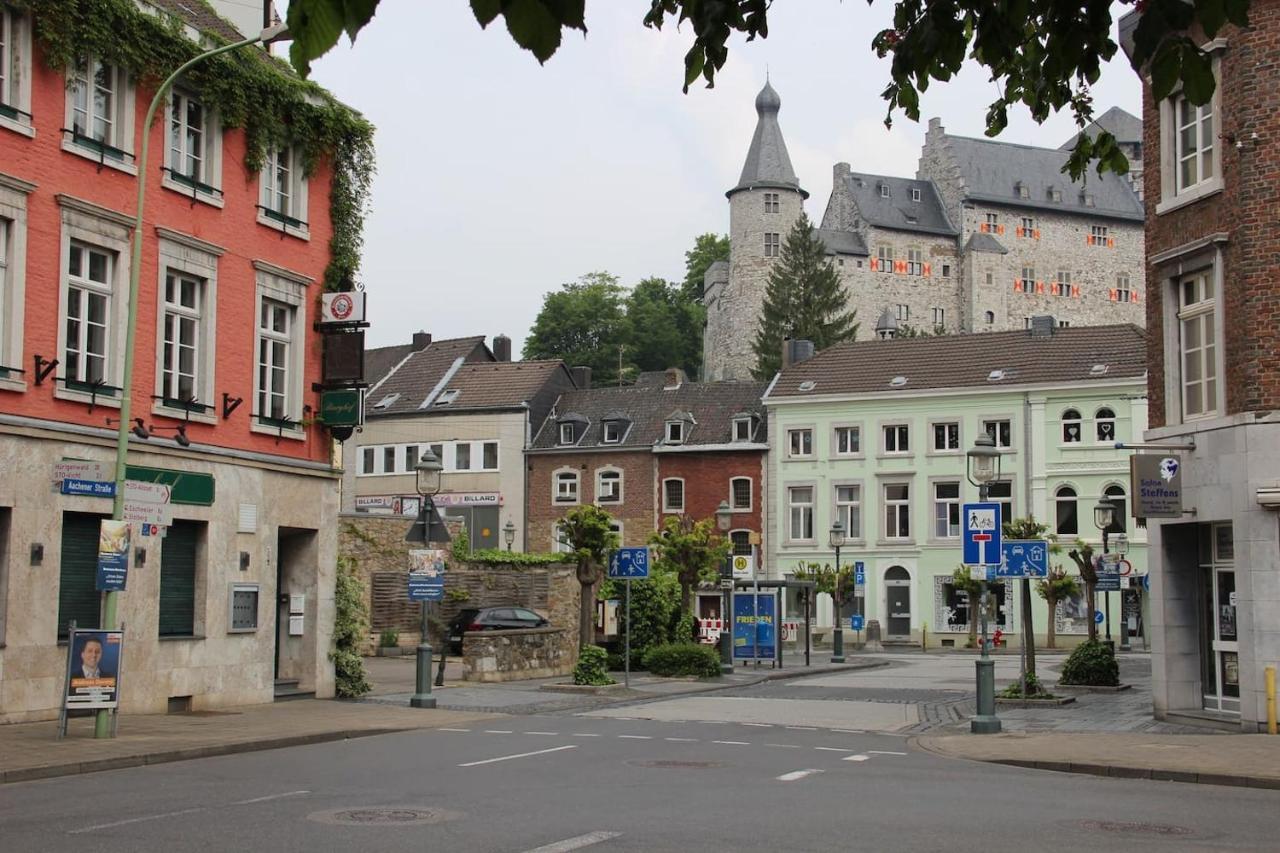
x=427 y=484
x=837 y=633
x=1104 y=515
x=983 y=470
x=724 y=519
x=509 y=533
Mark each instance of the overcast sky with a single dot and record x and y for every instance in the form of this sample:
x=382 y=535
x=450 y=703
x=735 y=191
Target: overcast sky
x=499 y=179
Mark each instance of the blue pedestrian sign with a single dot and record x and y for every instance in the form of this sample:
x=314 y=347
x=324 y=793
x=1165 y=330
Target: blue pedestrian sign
x=856 y=622
x=629 y=563
x=981 y=534
x=1024 y=558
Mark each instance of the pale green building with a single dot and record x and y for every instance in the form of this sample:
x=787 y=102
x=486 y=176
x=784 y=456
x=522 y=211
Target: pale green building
x=874 y=433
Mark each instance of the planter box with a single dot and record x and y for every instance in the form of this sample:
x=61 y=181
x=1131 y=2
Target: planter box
x=1034 y=703
x=605 y=689
x=1085 y=688
x=389 y=651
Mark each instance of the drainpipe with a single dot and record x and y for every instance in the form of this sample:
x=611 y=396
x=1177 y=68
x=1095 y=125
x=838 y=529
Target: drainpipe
x=1028 y=630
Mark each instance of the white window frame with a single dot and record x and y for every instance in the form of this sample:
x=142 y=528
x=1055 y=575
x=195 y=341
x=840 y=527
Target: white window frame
x=282 y=286
x=566 y=433
x=190 y=256
x=901 y=435
x=458 y=449
x=368 y=461
x=1201 y=314
x=741 y=430
x=615 y=476
x=1201 y=121
x=855 y=431
x=558 y=543
x=915 y=262
x=497 y=455
x=617 y=428
x=939 y=318
x=904 y=312
x=915 y=193
x=1059 y=499
x=949 y=506
x=121 y=116
x=848 y=511
x=15 y=75
x=86 y=289
x=295 y=222
x=1173 y=194
x=801 y=438
x=1011 y=500
x=733 y=494
x=210 y=154
x=1099 y=420
x=667 y=505
x=13 y=271
x=996 y=436
x=675 y=432
x=895 y=511
x=949 y=426
x=801 y=511
x=1124 y=291
x=566 y=496
x=884 y=259
x=1077 y=421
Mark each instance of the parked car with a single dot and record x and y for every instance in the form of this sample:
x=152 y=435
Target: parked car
x=490 y=619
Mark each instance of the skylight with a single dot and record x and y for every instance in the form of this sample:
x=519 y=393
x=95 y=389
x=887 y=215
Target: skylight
x=447 y=397
x=995 y=375
x=1098 y=370
x=808 y=385
x=898 y=381
x=386 y=401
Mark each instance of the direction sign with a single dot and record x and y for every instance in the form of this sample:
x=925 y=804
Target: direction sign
x=856 y=622
x=1024 y=558
x=981 y=534
x=147 y=513
x=100 y=472
x=138 y=492
x=629 y=563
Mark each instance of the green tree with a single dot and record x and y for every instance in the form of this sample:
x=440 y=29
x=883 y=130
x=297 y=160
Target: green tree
x=1044 y=54
x=583 y=323
x=803 y=299
x=1058 y=586
x=349 y=628
x=655 y=611
x=707 y=249
x=587 y=531
x=693 y=550
x=663 y=327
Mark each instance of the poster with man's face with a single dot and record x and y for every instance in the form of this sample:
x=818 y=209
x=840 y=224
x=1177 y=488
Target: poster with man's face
x=95 y=668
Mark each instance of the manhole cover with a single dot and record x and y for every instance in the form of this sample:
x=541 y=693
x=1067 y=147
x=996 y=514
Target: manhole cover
x=1163 y=829
x=687 y=765
x=384 y=816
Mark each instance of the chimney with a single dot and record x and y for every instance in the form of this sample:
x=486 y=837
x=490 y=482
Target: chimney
x=502 y=347
x=839 y=173
x=1042 y=326
x=674 y=379
x=786 y=353
x=801 y=350
x=421 y=340
x=581 y=376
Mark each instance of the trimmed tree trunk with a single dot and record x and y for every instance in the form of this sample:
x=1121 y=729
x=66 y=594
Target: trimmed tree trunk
x=587 y=576
x=1051 y=630
x=1028 y=629
x=1091 y=596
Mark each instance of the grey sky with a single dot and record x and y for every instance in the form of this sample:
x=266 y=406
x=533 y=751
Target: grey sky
x=499 y=179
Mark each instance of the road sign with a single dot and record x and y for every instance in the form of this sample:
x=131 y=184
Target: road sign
x=426 y=587
x=1108 y=573
x=856 y=622
x=859 y=574
x=629 y=563
x=147 y=513
x=981 y=534
x=100 y=472
x=1024 y=558
x=1098 y=617
x=137 y=492
x=743 y=565
x=93 y=488
x=726 y=583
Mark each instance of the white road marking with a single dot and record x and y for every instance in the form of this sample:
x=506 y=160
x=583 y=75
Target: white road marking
x=519 y=755
x=542 y=733
x=760 y=725
x=857 y=758
x=732 y=742
x=849 y=731
x=784 y=745
x=133 y=820
x=883 y=752
x=498 y=731
x=575 y=843
x=636 y=737
x=270 y=797
x=796 y=774
x=832 y=749
x=681 y=739
x=585 y=734
x=453 y=730
x=802 y=728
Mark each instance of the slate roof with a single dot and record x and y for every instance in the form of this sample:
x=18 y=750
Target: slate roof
x=711 y=404
x=898 y=210
x=980 y=242
x=379 y=361
x=992 y=170
x=1123 y=125
x=418 y=374
x=500 y=384
x=842 y=242
x=768 y=163
x=967 y=361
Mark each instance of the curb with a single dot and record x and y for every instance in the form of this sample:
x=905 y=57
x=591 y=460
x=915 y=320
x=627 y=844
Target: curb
x=1116 y=771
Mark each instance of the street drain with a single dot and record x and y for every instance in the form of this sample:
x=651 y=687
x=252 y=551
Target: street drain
x=685 y=765
x=1162 y=829
x=384 y=816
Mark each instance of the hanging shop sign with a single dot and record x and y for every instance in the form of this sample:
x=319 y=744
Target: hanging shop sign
x=1157 y=485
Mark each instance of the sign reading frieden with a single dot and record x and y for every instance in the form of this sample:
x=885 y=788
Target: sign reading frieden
x=1157 y=485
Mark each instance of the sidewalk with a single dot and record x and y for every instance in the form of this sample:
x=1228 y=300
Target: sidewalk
x=32 y=751
x=1251 y=761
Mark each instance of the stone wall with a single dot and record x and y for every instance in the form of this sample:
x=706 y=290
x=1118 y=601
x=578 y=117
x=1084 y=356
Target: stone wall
x=514 y=655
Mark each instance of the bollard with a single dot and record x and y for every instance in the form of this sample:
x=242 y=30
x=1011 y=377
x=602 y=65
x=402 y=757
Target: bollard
x=1271 y=699
x=924 y=637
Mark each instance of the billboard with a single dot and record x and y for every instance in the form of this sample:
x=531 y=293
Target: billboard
x=93 y=669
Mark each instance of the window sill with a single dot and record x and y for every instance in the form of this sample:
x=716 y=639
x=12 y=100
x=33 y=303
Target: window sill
x=809 y=458
x=174 y=638
x=62 y=393
x=17 y=386
x=185 y=191
x=300 y=232
x=800 y=543
x=1191 y=196
x=891 y=543
x=19 y=127
x=907 y=455
x=667 y=511
x=740 y=509
x=276 y=432
x=850 y=456
x=955 y=452
x=183 y=414
x=97 y=159
x=559 y=502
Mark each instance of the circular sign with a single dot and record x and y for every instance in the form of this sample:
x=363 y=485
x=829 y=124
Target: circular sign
x=342 y=306
x=1098 y=617
x=1126 y=568
x=740 y=563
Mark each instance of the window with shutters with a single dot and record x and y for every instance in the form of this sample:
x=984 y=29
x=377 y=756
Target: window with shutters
x=1123 y=293
x=1098 y=236
x=180 y=552
x=78 y=597
x=915 y=262
x=884 y=259
x=1063 y=287
x=1028 y=280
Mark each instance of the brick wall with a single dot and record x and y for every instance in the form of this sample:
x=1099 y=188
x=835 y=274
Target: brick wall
x=635 y=510
x=706 y=482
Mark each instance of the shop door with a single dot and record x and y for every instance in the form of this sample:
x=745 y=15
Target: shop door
x=897 y=595
x=1219 y=648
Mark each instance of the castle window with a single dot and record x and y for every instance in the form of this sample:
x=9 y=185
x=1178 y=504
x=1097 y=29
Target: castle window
x=770 y=202
x=1123 y=294
x=1063 y=287
x=1028 y=228
x=990 y=317
x=939 y=318
x=904 y=313
x=1098 y=236
x=771 y=244
x=946 y=270
x=884 y=191
x=1028 y=280
x=915 y=262
x=884 y=256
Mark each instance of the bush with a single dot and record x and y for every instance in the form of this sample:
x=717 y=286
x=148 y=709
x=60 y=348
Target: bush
x=1092 y=664
x=1035 y=690
x=349 y=626
x=655 y=609
x=683 y=659
x=389 y=639
x=591 y=667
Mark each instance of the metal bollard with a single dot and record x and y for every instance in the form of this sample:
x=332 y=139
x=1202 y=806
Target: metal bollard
x=1271 y=699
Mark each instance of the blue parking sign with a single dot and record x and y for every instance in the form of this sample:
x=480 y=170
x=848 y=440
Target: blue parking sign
x=629 y=563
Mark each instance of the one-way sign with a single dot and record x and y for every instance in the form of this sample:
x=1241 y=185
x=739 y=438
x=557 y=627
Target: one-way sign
x=629 y=563
x=982 y=534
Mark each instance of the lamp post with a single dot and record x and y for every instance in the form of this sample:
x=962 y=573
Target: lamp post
x=1104 y=515
x=427 y=484
x=984 y=469
x=837 y=632
x=724 y=518
x=1121 y=545
x=275 y=33
x=509 y=533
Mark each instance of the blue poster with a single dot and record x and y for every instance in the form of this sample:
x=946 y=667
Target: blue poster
x=755 y=629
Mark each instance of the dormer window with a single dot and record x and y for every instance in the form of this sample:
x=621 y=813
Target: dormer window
x=447 y=397
x=612 y=432
x=566 y=433
x=884 y=191
x=386 y=401
x=742 y=429
x=675 y=432
x=1055 y=194
x=915 y=194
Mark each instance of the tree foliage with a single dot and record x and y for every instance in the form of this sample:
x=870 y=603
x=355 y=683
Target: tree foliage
x=827 y=580
x=803 y=299
x=587 y=531
x=707 y=249
x=1043 y=54
x=349 y=628
x=1058 y=586
x=663 y=327
x=583 y=323
x=655 y=611
x=693 y=550
x=1082 y=556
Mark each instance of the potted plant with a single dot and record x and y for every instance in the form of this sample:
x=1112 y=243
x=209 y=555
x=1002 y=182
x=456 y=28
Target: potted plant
x=389 y=644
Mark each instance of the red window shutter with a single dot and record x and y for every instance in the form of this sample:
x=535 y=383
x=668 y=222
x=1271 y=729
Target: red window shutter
x=1040 y=287
x=1017 y=285
x=1112 y=291
x=1037 y=233
x=1111 y=242
x=1075 y=291
x=872 y=264
x=1135 y=296
x=1089 y=240
x=1000 y=230
x=928 y=269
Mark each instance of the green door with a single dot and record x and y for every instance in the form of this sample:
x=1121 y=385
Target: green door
x=178 y=579
x=77 y=598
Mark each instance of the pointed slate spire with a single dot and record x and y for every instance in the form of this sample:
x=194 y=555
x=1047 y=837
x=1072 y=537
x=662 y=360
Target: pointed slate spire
x=768 y=164
x=887 y=325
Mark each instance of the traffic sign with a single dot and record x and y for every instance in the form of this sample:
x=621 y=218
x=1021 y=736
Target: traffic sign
x=629 y=563
x=981 y=534
x=859 y=574
x=856 y=622
x=426 y=587
x=1098 y=617
x=1024 y=558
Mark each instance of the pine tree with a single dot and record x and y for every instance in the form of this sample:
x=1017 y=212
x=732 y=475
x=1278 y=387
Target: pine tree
x=803 y=300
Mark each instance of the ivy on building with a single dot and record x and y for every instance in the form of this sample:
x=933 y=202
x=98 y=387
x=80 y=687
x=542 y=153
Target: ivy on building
x=248 y=89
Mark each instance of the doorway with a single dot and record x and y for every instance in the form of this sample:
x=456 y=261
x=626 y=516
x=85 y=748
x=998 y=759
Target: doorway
x=1219 y=643
x=296 y=579
x=897 y=599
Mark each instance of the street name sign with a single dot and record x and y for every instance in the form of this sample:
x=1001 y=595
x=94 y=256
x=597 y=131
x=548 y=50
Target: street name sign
x=981 y=534
x=1024 y=558
x=629 y=563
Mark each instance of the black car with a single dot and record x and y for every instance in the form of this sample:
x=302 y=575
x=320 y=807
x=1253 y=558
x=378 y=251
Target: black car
x=490 y=619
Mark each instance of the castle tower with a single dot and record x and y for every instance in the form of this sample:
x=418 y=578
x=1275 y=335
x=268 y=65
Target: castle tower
x=763 y=207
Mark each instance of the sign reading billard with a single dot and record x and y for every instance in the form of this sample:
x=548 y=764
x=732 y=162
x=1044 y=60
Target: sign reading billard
x=1157 y=485
x=341 y=407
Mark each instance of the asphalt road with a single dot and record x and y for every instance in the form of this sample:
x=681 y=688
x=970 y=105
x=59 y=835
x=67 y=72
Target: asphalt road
x=610 y=781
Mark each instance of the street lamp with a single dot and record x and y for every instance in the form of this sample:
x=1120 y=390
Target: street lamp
x=1120 y=544
x=274 y=33
x=509 y=533
x=837 y=633
x=1104 y=515
x=427 y=483
x=724 y=518
x=983 y=469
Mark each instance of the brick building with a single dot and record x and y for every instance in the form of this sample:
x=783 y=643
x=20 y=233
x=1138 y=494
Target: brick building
x=222 y=395
x=1212 y=177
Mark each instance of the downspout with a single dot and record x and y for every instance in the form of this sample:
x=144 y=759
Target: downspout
x=1028 y=629
x=524 y=473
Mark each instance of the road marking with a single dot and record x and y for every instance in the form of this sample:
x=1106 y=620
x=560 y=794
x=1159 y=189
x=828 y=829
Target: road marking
x=133 y=820
x=850 y=731
x=760 y=725
x=883 y=752
x=857 y=758
x=270 y=797
x=542 y=733
x=802 y=728
x=498 y=732
x=519 y=755
x=832 y=749
x=453 y=730
x=575 y=843
x=584 y=734
x=681 y=739
x=784 y=745
x=732 y=742
x=796 y=774
x=636 y=737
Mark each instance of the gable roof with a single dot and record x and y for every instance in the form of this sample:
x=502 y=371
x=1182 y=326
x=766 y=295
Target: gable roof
x=378 y=362
x=417 y=375
x=1067 y=356
x=500 y=384
x=992 y=170
x=711 y=405
x=768 y=164
x=898 y=210
x=979 y=242
x=842 y=242
x=1122 y=124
